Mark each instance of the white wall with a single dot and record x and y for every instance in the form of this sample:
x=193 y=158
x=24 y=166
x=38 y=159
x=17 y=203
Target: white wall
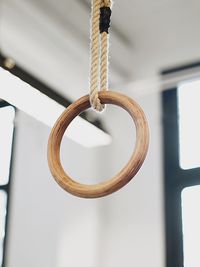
x=49 y=227
x=40 y=211
x=132 y=219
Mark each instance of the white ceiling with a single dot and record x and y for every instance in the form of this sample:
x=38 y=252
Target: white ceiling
x=50 y=39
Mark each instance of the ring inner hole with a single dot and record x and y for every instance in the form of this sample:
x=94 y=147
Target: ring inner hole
x=98 y=164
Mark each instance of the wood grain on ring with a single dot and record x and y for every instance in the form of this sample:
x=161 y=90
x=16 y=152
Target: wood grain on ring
x=126 y=174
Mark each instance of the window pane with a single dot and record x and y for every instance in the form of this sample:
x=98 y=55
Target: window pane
x=6 y=135
x=189 y=124
x=3 y=202
x=191 y=226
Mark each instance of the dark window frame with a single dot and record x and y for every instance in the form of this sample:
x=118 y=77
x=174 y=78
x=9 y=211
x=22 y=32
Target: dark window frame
x=175 y=179
x=7 y=188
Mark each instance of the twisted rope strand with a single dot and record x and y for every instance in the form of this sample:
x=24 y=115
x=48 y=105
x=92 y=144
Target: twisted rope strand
x=95 y=51
x=104 y=54
x=106 y=3
x=104 y=62
x=97 y=58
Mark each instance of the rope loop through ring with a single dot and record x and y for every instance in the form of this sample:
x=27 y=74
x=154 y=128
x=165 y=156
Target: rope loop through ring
x=126 y=174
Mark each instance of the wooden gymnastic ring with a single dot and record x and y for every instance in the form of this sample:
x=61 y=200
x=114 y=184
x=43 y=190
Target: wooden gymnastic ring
x=126 y=174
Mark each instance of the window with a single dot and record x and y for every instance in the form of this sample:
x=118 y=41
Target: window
x=7 y=114
x=181 y=131
x=191 y=225
x=3 y=201
x=189 y=126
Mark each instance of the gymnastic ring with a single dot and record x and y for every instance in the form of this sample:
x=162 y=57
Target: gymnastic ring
x=126 y=174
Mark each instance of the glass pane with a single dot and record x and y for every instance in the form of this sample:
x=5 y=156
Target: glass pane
x=3 y=202
x=6 y=135
x=189 y=124
x=191 y=226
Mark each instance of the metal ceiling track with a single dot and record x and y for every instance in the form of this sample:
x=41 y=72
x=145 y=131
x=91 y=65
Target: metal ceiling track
x=17 y=71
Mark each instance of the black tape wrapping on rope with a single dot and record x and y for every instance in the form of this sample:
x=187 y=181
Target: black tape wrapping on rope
x=105 y=14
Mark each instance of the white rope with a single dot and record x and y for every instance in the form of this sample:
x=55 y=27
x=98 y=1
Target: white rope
x=104 y=62
x=99 y=55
